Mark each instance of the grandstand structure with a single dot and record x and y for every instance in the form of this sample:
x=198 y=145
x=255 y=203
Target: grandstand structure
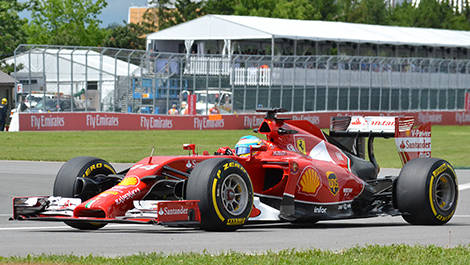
x=258 y=62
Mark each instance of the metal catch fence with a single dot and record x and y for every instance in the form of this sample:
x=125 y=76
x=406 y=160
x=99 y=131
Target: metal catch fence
x=64 y=78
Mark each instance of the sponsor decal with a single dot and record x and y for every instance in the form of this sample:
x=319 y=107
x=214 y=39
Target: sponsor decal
x=130 y=181
x=230 y=165
x=294 y=169
x=344 y=207
x=173 y=211
x=98 y=120
x=65 y=205
x=319 y=210
x=252 y=121
x=357 y=121
x=309 y=182
x=312 y=119
x=155 y=123
x=191 y=164
x=235 y=221
x=415 y=144
x=428 y=117
x=332 y=182
x=440 y=169
x=129 y=195
x=369 y=123
x=301 y=146
x=91 y=168
x=347 y=191
x=205 y=123
x=144 y=167
x=339 y=156
x=279 y=153
x=39 y=122
x=290 y=148
x=463 y=117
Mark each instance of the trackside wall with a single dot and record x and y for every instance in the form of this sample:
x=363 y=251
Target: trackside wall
x=89 y=121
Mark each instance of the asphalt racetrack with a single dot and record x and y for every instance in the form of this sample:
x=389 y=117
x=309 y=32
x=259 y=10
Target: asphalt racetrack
x=23 y=178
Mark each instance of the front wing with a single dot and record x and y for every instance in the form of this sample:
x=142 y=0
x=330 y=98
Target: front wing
x=168 y=213
x=50 y=208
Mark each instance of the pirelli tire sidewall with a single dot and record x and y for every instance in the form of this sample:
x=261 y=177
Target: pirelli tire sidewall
x=79 y=167
x=65 y=181
x=205 y=185
x=416 y=191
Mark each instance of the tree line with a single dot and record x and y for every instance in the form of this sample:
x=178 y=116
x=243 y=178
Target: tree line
x=70 y=22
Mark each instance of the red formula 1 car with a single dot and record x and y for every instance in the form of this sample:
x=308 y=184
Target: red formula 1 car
x=298 y=174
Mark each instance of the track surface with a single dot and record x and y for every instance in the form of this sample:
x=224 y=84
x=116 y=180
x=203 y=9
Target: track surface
x=22 y=178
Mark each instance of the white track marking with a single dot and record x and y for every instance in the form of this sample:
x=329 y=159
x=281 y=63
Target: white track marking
x=464 y=186
x=61 y=227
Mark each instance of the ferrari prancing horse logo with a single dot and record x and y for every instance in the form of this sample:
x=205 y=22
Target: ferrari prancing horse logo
x=301 y=146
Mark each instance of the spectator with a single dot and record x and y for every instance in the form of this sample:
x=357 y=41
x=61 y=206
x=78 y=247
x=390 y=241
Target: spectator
x=3 y=114
x=214 y=110
x=173 y=110
x=184 y=108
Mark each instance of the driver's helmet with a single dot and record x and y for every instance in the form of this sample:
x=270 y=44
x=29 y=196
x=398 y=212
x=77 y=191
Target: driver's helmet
x=242 y=148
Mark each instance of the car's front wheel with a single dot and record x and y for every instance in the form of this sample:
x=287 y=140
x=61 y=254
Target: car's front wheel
x=65 y=184
x=224 y=191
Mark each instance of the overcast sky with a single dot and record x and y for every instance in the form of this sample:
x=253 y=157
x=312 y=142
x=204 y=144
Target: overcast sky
x=115 y=12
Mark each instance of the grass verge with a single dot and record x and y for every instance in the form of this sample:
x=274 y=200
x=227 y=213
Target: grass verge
x=448 y=142
x=395 y=254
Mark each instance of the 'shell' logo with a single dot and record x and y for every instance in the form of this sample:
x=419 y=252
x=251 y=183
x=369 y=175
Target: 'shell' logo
x=356 y=122
x=332 y=182
x=402 y=145
x=309 y=182
x=129 y=181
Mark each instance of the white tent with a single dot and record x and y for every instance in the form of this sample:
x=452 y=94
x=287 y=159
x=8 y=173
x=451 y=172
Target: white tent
x=224 y=27
x=68 y=71
x=57 y=64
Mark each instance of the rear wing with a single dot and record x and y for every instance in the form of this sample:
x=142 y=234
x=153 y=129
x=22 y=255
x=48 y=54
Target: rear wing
x=411 y=139
x=369 y=126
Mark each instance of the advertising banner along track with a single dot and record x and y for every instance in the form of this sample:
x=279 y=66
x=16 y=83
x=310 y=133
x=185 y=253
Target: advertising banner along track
x=85 y=121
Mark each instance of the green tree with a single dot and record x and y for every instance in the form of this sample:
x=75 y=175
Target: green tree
x=129 y=36
x=11 y=26
x=220 y=7
x=363 y=11
x=66 y=22
x=306 y=9
x=160 y=16
x=167 y=13
x=260 y=8
x=186 y=10
x=403 y=15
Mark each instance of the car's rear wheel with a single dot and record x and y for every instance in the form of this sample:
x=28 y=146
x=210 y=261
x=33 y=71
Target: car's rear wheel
x=427 y=191
x=224 y=191
x=65 y=182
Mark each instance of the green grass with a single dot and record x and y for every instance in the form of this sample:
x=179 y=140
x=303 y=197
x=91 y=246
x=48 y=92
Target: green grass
x=449 y=142
x=395 y=254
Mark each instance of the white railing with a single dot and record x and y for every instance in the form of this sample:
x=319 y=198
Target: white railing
x=251 y=76
x=201 y=65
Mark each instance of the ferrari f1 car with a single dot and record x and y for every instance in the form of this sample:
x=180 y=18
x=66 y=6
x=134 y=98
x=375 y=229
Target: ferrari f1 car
x=297 y=174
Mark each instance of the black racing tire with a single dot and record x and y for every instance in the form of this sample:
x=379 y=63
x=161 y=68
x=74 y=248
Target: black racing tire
x=427 y=191
x=224 y=191
x=80 y=167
